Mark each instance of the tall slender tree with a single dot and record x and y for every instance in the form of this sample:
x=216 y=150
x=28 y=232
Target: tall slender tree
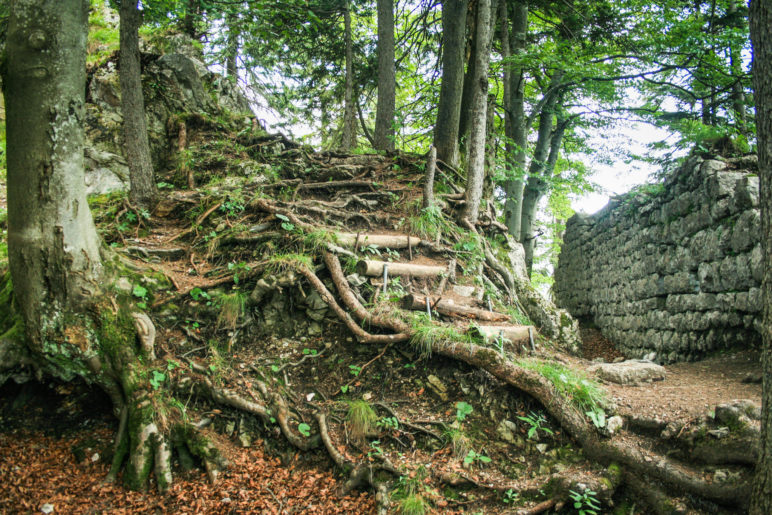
x=761 y=34
x=387 y=81
x=512 y=46
x=449 y=108
x=143 y=192
x=475 y=171
x=349 y=115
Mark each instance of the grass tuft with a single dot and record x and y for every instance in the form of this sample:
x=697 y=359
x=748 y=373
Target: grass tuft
x=361 y=419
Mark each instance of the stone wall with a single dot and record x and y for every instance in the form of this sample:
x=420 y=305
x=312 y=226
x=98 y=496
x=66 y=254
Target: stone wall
x=673 y=269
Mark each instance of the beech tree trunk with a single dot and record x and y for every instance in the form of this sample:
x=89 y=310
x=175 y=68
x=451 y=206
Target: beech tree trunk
x=761 y=35
x=143 y=191
x=349 y=116
x=387 y=82
x=231 y=60
x=475 y=171
x=53 y=247
x=514 y=115
x=449 y=108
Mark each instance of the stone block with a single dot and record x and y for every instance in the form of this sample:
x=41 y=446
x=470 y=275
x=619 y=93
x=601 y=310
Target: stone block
x=630 y=372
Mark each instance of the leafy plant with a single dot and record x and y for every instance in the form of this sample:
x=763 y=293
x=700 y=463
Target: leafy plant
x=304 y=429
x=472 y=457
x=376 y=449
x=388 y=423
x=238 y=268
x=536 y=421
x=141 y=293
x=285 y=223
x=156 y=378
x=598 y=417
x=355 y=370
x=585 y=503
x=463 y=410
x=511 y=497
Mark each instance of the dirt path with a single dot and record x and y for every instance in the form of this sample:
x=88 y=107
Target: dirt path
x=689 y=389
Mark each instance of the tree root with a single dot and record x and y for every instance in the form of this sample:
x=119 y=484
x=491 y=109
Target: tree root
x=360 y=474
x=534 y=384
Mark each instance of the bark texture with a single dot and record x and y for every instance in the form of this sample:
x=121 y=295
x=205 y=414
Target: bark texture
x=349 y=116
x=513 y=43
x=143 y=189
x=475 y=173
x=761 y=35
x=449 y=109
x=387 y=82
x=52 y=242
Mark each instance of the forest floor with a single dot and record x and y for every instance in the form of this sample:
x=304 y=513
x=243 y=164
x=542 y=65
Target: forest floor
x=207 y=267
x=53 y=442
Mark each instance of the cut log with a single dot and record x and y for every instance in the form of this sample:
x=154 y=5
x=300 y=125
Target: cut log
x=388 y=241
x=449 y=308
x=513 y=333
x=375 y=269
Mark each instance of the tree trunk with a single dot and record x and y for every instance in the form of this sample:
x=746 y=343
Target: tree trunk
x=449 y=109
x=192 y=12
x=387 y=82
x=468 y=90
x=475 y=172
x=349 y=116
x=761 y=35
x=514 y=117
x=143 y=189
x=231 y=59
x=431 y=165
x=735 y=63
x=53 y=247
x=537 y=170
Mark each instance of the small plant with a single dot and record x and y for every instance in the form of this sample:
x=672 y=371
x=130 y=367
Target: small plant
x=598 y=417
x=200 y=295
x=231 y=308
x=304 y=429
x=409 y=493
x=285 y=223
x=355 y=370
x=459 y=442
x=585 y=503
x=310 y=352
x=463 y=410
x=511 y=497
x=238 y=268
x=472 y=457
x=156 y=378
x=412 y=504
x=141 y=293
x=536 y=421
x=361 y=419
x=388 y=423
x=376 y=449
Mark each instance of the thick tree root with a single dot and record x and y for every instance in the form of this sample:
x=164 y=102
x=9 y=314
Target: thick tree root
x=573 y=422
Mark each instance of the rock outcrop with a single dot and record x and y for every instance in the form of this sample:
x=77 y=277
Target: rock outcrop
x=175 y=84
x=673 y=270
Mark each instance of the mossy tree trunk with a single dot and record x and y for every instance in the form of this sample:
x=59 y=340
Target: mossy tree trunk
x=54 y=252
x=761 y=34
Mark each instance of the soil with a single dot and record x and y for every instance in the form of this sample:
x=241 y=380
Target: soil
x=689 y=390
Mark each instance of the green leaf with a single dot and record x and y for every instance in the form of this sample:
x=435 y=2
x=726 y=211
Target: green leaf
x=304 y=429
x=463 y=410
x=139 y=291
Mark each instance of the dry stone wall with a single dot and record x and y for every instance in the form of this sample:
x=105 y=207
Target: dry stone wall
x=674 y=269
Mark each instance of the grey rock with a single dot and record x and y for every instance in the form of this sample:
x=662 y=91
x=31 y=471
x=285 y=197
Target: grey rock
x=719 y=433
x=630 y=372
x=507 y=430
x=464 y=291
x=438 y=387
x=614 y=424
x=356 y=280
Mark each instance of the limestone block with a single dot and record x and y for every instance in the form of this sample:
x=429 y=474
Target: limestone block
x=631 y=372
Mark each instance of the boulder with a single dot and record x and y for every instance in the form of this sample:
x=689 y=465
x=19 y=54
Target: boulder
x=630 y=372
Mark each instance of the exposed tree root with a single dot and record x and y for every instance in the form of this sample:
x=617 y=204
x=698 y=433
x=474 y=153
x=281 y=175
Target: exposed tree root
x=534 y=384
